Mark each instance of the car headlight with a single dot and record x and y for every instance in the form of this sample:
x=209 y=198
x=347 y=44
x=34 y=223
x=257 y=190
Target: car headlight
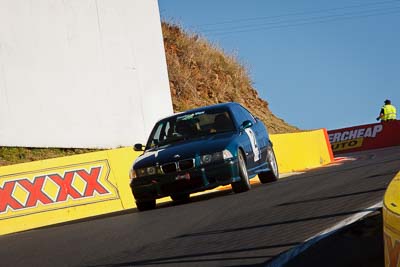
x=206 y=159
x=151 y=170
x=141 y=172
x=148 y=171
x=215 y=157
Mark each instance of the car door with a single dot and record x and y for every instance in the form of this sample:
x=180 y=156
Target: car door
x=262 y=138
x=257 y=137
x=247 y=137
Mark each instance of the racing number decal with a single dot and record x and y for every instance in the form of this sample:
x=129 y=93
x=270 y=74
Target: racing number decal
x=254 y=145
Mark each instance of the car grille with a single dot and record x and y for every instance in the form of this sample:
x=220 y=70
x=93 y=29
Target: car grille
x=181 y=165
x=169 y=167
x=186 y=164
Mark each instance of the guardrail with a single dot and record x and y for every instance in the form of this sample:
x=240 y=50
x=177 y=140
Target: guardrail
x=52 y=191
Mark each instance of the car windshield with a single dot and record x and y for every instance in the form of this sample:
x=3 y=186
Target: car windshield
x=190 y=126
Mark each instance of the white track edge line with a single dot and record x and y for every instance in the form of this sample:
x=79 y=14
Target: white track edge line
x=291 y=253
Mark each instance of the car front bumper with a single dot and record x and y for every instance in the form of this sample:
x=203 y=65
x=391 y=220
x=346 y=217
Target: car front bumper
x=190 y=181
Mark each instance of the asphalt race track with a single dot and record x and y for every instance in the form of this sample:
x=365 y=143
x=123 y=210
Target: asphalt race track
x=218 y=229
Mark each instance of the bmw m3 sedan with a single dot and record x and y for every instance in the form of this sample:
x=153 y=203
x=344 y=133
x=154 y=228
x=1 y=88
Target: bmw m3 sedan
x=201 y=149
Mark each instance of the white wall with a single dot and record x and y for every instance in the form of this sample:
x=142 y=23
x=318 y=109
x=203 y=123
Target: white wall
x=81 y=73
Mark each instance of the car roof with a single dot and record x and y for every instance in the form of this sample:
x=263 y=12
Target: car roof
x=220 y=105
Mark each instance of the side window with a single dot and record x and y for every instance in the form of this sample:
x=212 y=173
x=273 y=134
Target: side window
x=222 y=123
x=159 y=134
x=239 y=115
x=247 y=115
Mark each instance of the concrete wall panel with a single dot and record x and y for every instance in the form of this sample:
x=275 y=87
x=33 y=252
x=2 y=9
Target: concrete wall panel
x=81 y=73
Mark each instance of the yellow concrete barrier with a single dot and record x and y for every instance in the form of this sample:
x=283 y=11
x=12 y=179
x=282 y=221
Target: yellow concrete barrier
x=57 y=190
x=301 y=151
x=391 y=222
x=52 y=191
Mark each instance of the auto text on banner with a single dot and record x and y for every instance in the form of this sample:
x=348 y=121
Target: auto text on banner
x=365 y=137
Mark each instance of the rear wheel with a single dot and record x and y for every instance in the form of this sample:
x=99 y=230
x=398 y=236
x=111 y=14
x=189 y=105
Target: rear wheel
x=244 y=183
x=180 y=197
x=273 y=174
x=145 y=205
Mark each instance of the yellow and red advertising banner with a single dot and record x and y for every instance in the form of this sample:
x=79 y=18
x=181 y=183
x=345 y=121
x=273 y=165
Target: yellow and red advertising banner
x=365 y=137
x=57 y=190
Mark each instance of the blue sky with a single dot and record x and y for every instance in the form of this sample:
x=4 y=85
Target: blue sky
x=319 y=64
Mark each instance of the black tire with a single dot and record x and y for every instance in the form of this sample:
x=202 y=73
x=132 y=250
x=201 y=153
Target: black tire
x=145 y=205
x=273 y=174
x=244 y=184
x=180 y=198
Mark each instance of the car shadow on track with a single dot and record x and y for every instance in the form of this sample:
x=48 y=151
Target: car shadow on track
x=199 y=257
x=207 y=195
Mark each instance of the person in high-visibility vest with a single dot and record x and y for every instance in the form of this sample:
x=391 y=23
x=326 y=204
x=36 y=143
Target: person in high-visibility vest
x=388 y=112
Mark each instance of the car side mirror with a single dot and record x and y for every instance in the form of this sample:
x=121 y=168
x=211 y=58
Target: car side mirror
x=247 y=124
x=138 y=147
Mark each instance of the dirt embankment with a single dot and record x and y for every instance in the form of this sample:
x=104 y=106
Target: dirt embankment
x=202 y=74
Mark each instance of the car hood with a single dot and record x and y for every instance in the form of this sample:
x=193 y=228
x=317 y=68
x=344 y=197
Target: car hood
x=185 y=149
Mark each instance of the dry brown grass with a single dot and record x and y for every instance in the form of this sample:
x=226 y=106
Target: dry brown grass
x=202 y=74
x=13 y=155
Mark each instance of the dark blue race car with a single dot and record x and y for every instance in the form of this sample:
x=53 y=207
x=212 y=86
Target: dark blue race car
x=201 y=149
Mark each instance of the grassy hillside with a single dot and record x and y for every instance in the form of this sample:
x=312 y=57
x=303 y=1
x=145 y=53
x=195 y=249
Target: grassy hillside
x=200 y=74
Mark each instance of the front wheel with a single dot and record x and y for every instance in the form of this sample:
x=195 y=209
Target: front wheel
x=273 y=174
x=145 y=205
x=244 y=183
